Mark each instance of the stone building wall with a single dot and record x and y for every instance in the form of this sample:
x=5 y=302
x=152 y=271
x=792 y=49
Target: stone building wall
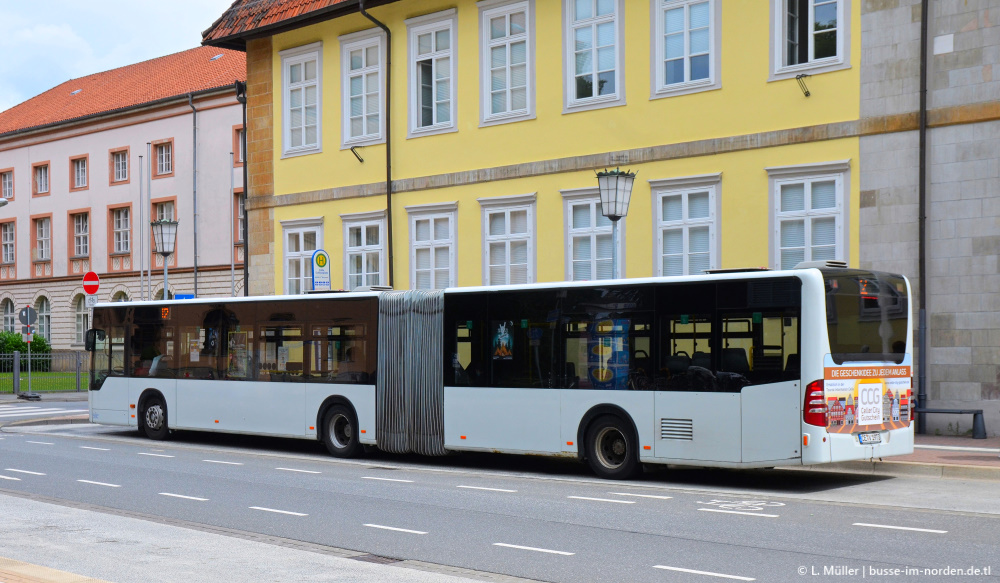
x=260 y=152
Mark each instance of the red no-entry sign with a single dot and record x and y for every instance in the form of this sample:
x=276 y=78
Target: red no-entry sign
x=91 y=282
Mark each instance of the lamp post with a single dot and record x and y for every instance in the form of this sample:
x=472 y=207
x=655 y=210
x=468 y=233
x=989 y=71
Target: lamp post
x=616 y=191
x=165 y=237
x=3 y=202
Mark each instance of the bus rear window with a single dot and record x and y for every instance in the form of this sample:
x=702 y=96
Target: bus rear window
x=867 y=316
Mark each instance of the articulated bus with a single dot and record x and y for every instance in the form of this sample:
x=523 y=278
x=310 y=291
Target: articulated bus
x=736 y=370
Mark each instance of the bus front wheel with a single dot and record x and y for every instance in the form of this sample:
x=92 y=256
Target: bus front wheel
x=154 y=418
x=611 y=448
x=340 y=432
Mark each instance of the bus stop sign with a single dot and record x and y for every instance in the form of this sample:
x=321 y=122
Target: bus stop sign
x=27 y=315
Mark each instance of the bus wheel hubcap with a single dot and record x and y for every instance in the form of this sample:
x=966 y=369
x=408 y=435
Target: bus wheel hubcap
x=611 y=448
x=341 y=431
x=154 y=417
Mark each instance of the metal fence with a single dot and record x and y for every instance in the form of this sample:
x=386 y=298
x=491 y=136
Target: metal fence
x=59 y=371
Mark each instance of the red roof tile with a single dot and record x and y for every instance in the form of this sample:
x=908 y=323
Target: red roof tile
x=248 y=15
x=129 y=86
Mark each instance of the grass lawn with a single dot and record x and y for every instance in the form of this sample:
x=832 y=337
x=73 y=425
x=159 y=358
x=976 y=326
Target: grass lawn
x=43 y=382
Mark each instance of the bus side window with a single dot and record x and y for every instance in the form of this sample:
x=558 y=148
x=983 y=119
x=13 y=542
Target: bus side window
x=465 y=363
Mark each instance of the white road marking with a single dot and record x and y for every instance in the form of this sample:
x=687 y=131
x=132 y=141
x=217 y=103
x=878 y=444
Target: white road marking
x=900 y=528
x=488 y=489
x=100 y=484
x=2 y=477
x=395 y=529
x=24 y=472
x=956 y=448
x=41 y=442
x=602 y=500
x=300 y=471
x=227 y=463
x=709 y=573
x=154 y=454
x=386 y=479
x=42 y=412
x=184 y=497
x=738 y=512
x=94 y=448
x=536 y=549
x=278 y=511
x=641 y=495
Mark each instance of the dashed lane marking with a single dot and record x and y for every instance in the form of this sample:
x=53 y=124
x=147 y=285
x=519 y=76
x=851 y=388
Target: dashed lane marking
x=24 y=472
x=100 y=484
x=386 y=479
x=708 y=573
x=393 y=528
x=900 y=528
x=94 y=448
x=41 y=442
x=183 y=496
x=2 y=477
x=738 y=512
x=221 y=462
x=155 y=454
x=536 y=549
x=487 y=489
x=300 y=471
x=277 y=511
x=602 y=500
x=641 y=495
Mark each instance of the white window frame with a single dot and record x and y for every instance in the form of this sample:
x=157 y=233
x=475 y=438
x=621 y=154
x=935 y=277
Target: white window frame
x=7 y=184
x=8 y=243
x=352 y=42
x=489 y=9
x=43 y=239
x=364 y=220
x=80 y=173
x=684 y=186
x=82 y=313
x=42 y=179
x=121 y=222
x=120 y=162
x=838 y=171
x=241 y=145
x=81 y=236
x=9 y=315
x=164 y=158
x=44 y=324
x=659 y=88
x=588 y=196
x=507 y=204
x=299 y=56
x=300 y=227
x=778 y=45
x=160 y=210
x=431 y=23
x=431 y=212
x=570 y=102
x=240 y=217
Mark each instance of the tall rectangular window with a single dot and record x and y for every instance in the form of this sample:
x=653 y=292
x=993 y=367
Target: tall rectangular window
x=300 y=243
x=7 y=184
x=808 y=220
x=43 y=239
x=432 y=241
x=593 y=59
x=7 y=240
x=81 y=235
x=508 y=245
x=363 y=256
x=42 y=179
x=686 y=231
x=80 y=173
x=164 y=211
x=507 y=62
x=811 y=34
x=119 y=161
x=685 y=43
x=240 y=217
x=121 y=230
x=164 y=158
x=241 y=146
x=432 y=73
x=362 y=83
x=301 y=86
x=589 y=241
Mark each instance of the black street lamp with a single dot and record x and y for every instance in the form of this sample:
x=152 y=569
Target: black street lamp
x=616 y=192
x=165 y=237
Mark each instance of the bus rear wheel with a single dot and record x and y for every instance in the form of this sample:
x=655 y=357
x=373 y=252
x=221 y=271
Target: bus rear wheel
x=611 y=448
x=154 y=418
x=340 y=432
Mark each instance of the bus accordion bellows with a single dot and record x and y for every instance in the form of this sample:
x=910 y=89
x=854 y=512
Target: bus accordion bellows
x=737 y=370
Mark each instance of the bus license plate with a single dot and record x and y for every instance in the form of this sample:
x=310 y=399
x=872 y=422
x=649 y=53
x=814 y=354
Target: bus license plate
x=869 y=438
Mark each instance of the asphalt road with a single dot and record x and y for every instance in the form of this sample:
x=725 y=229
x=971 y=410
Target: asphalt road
x=534 y=518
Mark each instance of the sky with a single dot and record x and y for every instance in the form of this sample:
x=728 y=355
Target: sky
x=47 y=42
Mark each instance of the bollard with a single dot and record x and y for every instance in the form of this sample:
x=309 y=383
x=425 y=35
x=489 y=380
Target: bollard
x=978 y=426
x=16 y=362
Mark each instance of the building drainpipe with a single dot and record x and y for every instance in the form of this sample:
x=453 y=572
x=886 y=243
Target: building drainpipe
x=241 y=96
x=194 y=187
x=388 y=133
x=922 y=220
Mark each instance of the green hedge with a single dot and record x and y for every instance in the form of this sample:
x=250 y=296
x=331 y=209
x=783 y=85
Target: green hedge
x=11 y=341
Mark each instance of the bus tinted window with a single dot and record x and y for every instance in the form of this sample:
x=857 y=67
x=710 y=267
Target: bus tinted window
x=521 y=340
x=866 y=315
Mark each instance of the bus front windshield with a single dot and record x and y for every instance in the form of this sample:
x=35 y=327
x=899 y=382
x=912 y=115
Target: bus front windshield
x=867 y=316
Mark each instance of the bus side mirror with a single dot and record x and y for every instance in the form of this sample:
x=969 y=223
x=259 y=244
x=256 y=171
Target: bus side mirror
x=92 y=338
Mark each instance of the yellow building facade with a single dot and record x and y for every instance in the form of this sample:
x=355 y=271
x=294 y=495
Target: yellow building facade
x=739 y=118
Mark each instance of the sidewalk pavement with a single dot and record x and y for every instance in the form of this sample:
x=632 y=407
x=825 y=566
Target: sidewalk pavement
x=67 y=397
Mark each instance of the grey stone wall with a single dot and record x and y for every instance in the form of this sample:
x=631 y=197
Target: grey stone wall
x=963 y=187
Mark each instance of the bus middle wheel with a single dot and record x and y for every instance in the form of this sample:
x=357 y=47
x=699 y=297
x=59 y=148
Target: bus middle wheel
x=340 y=432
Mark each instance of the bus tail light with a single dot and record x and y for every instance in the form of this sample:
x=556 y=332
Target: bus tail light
x=814 y=410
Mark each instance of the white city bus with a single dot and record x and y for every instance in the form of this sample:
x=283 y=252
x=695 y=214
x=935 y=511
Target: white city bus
x=737 y=370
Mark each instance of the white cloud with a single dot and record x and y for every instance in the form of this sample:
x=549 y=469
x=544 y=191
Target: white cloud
x=48 y=43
